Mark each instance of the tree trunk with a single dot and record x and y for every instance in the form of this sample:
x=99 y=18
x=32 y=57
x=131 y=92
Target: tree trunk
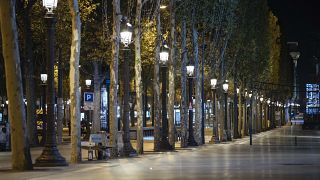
x=240 y=115
x=146 y=107
x=171 y=79
x=202 y=89
x=145 y=102
x=97 y=98
x=156 y=87
x=114 y=78
x=30 y=86
x=138 y=69
x=152 y=108
x=245 y=117
x=220 y=116
x=184 y=100
x=21 y=158
x=74 y=82
x=235 y=108
x=67 y=117
x=132 y=118
x=198 y=99
x=253 y=112
x=60 y=112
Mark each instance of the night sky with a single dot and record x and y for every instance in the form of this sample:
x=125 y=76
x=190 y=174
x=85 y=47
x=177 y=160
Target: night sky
x=300 y=21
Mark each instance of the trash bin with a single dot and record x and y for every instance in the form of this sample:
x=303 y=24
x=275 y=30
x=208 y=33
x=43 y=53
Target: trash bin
x=100 y=151
x=103 y=152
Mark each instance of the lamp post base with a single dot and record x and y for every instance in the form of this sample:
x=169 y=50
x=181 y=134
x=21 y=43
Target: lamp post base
x=229 y=138
x=165 y=145
x=224 y=137
x=50 y=157
x=128 y=150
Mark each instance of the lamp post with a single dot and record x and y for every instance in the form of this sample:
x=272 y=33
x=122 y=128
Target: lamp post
x=268 y=117
x=190 y=73
x=88 y=113
x=50 y=155
x=295 y=56
x=235 y=110
x=225 y=88
x=215 y=135
x=44 y=78
x=245 y=126
x=261 y=116
x=164 y=56
x=126 y=36
x=282 y=113
x=6 y=110
x=250 y=118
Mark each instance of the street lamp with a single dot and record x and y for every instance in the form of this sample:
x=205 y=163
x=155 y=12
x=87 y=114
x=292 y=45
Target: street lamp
x=163 y=6
x=190 y=70
x=50 y=155
x=225 y=87
x=126 y=33
x=261 y=111
x=44 y=78
x=272 y=116
x=164 y=56
x=126 y=36
x=269 y=112
x=213 y=83
x=245 y=122
x=250 y=119
x=295 y=56
x=87 y=111
x=215 y=137
x=261 y=99
x=88 y=83
x=50 y=5
x=190 y=73
x=235 y=112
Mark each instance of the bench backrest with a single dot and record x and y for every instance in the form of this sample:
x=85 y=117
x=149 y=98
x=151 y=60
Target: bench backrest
x=99 y=138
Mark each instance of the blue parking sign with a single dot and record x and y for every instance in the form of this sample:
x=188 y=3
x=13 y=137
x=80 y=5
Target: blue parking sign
x=88 y=97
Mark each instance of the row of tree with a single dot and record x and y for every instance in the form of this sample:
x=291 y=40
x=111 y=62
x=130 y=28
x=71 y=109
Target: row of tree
x=238 y=40
x=21 y=158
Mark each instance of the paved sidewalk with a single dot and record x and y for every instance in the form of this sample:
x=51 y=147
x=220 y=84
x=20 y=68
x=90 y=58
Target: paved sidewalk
x=65 y=150
x=273 y=155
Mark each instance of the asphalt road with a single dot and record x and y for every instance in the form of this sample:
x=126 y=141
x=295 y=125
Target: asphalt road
x=283 y=153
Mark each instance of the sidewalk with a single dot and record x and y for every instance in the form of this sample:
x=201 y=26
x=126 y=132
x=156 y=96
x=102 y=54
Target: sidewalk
x=272 y=156
x=65 y=149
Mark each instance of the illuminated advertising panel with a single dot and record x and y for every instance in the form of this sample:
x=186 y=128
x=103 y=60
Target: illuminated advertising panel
x=312 y=95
